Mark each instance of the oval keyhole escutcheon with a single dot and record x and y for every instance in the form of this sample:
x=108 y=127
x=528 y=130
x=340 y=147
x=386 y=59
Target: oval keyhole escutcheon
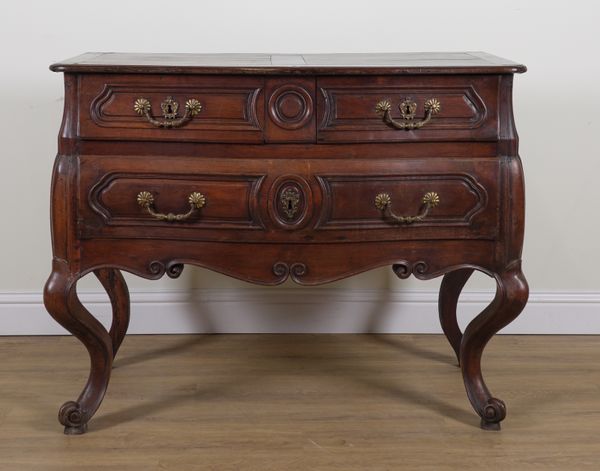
x=290 y=202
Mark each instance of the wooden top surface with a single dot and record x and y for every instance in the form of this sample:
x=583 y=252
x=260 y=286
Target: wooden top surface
x=323 y=64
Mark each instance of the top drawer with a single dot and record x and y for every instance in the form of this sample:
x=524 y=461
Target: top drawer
x=255 y=109
x=408 y=108
x=172 y=108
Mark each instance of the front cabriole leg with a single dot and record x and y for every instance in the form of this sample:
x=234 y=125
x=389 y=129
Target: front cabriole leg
x=62 y=303
x=511 y=296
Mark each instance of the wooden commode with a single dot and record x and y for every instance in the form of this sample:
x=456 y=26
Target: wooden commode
x=269 y=167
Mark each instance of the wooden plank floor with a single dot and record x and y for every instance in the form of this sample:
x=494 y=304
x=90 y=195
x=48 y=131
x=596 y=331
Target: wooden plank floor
x=302 y=402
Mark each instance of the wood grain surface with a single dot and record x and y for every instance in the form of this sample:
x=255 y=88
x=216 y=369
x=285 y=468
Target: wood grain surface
x=361 y=64
x=302 y=402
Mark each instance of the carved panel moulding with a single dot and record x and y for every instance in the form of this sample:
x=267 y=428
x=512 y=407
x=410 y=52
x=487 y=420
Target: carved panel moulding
x=465 y=182
x=471 y=116
x=248 y=187
x=290 y=107
x=103 y=115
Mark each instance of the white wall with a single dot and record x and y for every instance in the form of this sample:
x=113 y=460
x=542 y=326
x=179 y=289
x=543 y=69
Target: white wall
x=556 y=105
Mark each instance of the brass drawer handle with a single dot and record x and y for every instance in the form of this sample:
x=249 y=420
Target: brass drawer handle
x=383 y=202
x=146 y=200
x=169 y=108
x=408 y=109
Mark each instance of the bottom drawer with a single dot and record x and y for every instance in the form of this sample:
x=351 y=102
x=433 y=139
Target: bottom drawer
x=285 y=200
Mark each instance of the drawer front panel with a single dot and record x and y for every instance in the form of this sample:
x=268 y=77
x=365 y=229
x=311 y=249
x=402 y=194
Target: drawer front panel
x=351 y=200
x=426 y=199
x=352 y=109
x=115 y=198
x=113 y=191
x=289 y=201
x=228 y=109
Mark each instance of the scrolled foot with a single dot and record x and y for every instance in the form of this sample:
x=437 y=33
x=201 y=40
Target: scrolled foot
x=493 y=413
x=73 y=418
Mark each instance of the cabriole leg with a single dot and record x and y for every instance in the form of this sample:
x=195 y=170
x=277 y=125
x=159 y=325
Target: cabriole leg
x=511 y=296
x=113 y=282
x=62 y=303
x=450 y=289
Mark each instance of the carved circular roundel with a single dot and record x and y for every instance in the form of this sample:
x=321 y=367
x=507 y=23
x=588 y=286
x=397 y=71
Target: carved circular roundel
x=290 y=107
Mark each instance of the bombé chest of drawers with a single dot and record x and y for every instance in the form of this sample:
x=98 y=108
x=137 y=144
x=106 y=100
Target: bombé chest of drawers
x=269 y=167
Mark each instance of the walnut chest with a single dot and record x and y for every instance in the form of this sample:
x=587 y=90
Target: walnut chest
x=269 y=167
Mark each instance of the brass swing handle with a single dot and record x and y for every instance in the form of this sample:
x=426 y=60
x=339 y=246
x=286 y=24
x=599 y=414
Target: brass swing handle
x=146 y=200
x=408 y=109
x=143 y=107
x=383 y=202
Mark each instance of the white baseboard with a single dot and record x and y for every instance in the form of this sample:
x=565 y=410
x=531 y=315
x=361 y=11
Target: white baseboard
x=303 y=310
